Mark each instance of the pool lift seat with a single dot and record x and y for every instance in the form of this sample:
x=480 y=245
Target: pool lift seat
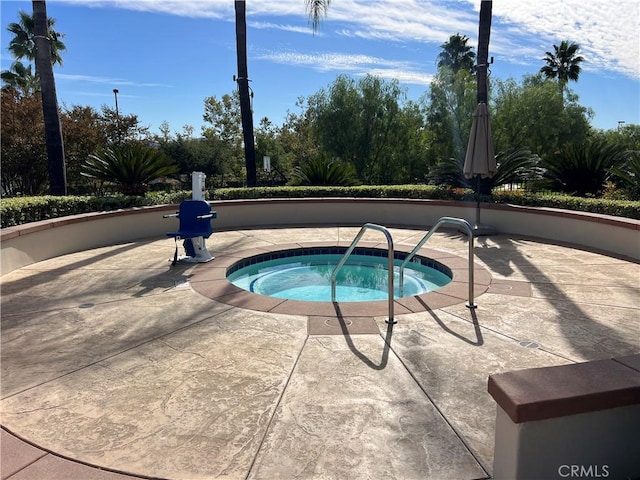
x=195 y=227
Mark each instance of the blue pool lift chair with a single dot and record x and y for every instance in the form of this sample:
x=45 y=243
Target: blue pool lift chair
x=195 y=226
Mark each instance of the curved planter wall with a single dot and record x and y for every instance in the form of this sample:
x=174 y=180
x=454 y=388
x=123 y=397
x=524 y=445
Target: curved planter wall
x=33 y=242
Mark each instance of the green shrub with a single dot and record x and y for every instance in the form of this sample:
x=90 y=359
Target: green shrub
x=582 y=169
x=131 y=167
x=323 y=171
x=628 y=174
x=19 y=210
x=618 y=208
x=427 y=192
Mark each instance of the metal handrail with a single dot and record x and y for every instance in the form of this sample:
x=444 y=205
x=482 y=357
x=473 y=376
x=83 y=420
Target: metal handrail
x=443 y=220
x=390 y=257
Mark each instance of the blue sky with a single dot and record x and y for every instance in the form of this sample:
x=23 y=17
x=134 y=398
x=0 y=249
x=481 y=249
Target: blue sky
x=165 y=57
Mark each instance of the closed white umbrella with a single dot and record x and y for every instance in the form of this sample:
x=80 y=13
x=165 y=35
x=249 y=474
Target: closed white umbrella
x=480 y=160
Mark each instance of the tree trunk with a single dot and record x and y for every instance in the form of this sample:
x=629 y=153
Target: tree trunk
x=52 y=126
x=243 y=89
x=484 y=32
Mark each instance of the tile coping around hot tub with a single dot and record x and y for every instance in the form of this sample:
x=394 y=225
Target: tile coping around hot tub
x=334 y=250
x=210 y=280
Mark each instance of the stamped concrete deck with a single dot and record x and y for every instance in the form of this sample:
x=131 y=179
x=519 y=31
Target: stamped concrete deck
x=115 y=364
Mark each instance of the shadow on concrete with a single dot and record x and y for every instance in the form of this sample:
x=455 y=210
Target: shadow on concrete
x=46 y=276
x=503 y=257
x=366 y=360
x=479 y=341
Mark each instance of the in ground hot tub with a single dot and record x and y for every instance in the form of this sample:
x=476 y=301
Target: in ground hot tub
x=305 y=274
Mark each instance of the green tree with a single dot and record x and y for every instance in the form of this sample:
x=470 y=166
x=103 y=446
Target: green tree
x=450 y=103
x=563 y=63
x=268 y=144
x=535 y=116
x=456 y=54
x=23 y=147
x=225 y=131
x=195 y=155
x=83 y=136
x=295 y=136
x=121 y=128
x=360 y=123
x=627 y=135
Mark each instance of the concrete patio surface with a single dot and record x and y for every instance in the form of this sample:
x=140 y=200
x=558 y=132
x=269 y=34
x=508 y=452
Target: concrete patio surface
x=116 y=364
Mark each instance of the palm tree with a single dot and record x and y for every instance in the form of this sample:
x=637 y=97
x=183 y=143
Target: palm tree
x=52 y=125
x=243 y=89
x=21 y=78
x=563 y=63
x=35 y=40
x=456 y=54
x=23 y=44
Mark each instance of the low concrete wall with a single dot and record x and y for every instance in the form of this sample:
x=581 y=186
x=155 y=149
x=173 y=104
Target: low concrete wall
x=578 y=420
x=33 y=242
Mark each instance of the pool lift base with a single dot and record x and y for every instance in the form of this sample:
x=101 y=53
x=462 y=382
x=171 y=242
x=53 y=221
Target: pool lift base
x=196 y=251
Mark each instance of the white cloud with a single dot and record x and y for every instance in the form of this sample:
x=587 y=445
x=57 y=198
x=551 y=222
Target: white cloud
x=106 y=80
x=359 y=65
x=279 y=26
x=521 y=31
x=607 y=32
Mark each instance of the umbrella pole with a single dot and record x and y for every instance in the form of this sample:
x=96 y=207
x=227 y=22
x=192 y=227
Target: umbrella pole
x=477 y=201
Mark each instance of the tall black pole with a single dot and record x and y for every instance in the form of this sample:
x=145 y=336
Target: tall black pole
x=484 y=33
x=115 y=94
x=243 y=89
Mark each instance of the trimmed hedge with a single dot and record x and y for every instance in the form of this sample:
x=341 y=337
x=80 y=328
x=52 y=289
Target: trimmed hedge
x=428 y=192
x=16 y=211
x=617 y=208
x=19 y=210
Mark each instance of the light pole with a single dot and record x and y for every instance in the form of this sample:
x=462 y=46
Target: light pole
x=115 y=94
x=621 y=124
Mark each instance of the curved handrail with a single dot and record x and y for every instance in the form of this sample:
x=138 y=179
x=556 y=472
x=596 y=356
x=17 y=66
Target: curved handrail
x=443 y=220
x=390 y=257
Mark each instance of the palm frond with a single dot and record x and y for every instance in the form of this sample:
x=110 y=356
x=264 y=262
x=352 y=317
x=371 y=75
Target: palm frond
x=130 y=167
x=317 y=9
